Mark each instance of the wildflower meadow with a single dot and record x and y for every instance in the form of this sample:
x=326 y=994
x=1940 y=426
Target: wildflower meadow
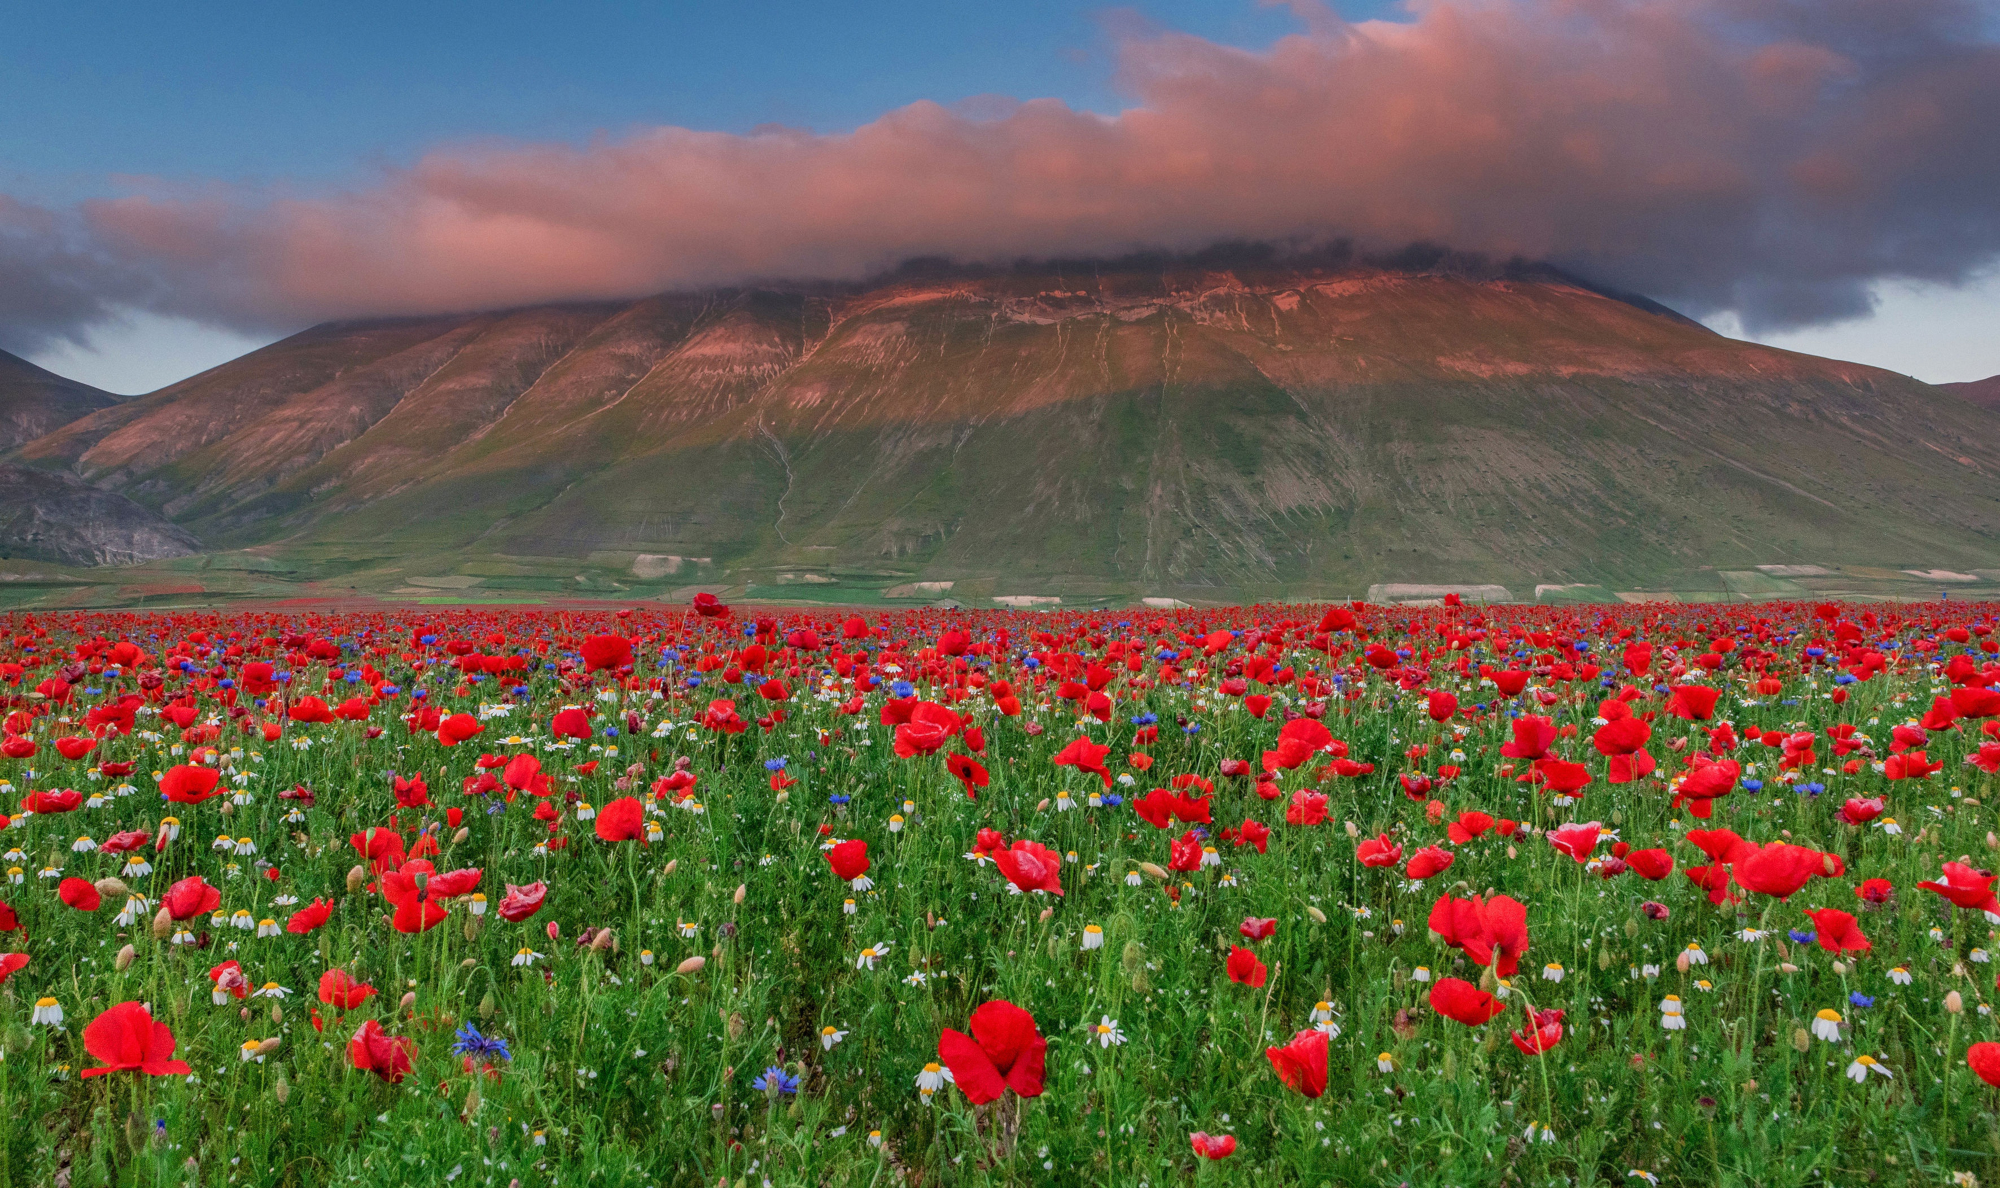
x=702 y=895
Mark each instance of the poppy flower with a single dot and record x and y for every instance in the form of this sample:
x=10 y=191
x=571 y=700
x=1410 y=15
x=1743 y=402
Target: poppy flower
x=1650 y=864
x=1004 y=1051
x=970 y=772
x=1778 y=869
x=605 y=651
x=1184 y=852
x=1301 y=1064
x=1875 y=891
x=1576 y=840
x=1258 y=927
x=1469 y=827
x=75 y=748
x=338 y=989
x=186 y=784
x=1838 y=932
x=1491 y=932
x=708 y=606
x=128 y=1039
x=1562 y=777
x=1966 y=887
x=1544 y=1031
x=64 y=801
x=1696 y=703
x=1440 y=705
x=1532 y=737
x=1213 y=1146
x=624 y=819
x=1379 y=851
x=309 y=917
x=1085 y=755
x=521 y=902
x=1253 y=833
x=570 y=723
x=11 y=964
x=457 y=728
x=374 y=1050
x=1455 y=998
x=1244 y=968
x=81 y=894
x=189 y=898
x=1984 y=1060
x=1431 y=860
x=849 y=860
x=1031 y=866
x=410 y=793
x=1307 y=808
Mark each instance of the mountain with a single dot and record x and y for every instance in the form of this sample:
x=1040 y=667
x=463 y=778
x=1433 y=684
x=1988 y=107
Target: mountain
x=34 y=402
x=1983 y=392
x=1238 y=424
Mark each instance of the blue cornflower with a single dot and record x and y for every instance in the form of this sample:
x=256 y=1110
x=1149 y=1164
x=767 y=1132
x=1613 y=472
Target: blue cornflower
x=838 y=798
x=1753 y=785
x=1802 y=938
x=1146 y=719
x=775 y=1080
x=1861 y=1000
x=1112 y=799
x=777 y=764
x=483 y=1047
x=903 y=689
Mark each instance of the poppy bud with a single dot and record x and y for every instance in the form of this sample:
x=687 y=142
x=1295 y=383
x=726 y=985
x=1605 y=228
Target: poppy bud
x=282 y=1090
x=227 y=809
x=243 y=1014
x=1043 y=806
x=1154 y=870
x=464 y=831
x=1511 y=852
x=1353 y=830
x=469 y=963
x=691 y=965
x=163 y=924
x=1840 y=968
x=472 y=1100
x=1681 y=963
x=356 y=878
x=266 y=1047
x=1787 y=967
x=1801 y=1040
x=409 y=1000
x=126 y=956
x=1046 y=913
x=671 y=864
x=277 y=1013
x=109 y=887
x=602 y=941
x=486 y=1006
x=1318 y=916
x=1992 y=840
x=1953 y=1004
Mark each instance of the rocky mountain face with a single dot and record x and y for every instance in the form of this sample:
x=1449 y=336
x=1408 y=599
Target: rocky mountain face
x=34 y=401
x=1243 y=424
x=1984 y=392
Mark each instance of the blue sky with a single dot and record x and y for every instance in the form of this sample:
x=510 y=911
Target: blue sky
x=317 y=96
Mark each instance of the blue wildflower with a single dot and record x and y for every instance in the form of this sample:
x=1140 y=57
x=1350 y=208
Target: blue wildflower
x=480 y=1047
x=1802 y=937
x=775 y=1081
x=1861 y=1000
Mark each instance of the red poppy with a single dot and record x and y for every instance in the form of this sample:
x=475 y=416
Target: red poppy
x=1213 y=1146
x=1031 y=866
x=1838 y=931
x=605 y=651
x=1307 y=808
x=1650 y=864
x=80 y=894
x=186 y=784
x=849 y=860
x=10 y=964
x=1875 y=891
x=1778 y=869
x=1984 y=1060
x=1379 y=851
x=970 y=772
x=1577 y=840
x=1243 y=967
x=1258 y=927
x=1085 y=755
x=128 y=1039
x=309 y=917
x=1544 y=1031
x=189 y=898
x=1491 y=932
x=1301 y=1064
x=338 y=989
x=1693 y=702
x=1455 y=998
x=411 y=793
x=624 y=819
x=1253 y=833
x=521 y=902
x=1532 y=738
x=1469 y=827
x=1966 y=887
x=374 y=1050
x=570 y=723
x=1431 y=860
x=1004 y=1051
x=457 y=728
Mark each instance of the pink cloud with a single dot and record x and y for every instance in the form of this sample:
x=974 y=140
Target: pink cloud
x=1771 y=156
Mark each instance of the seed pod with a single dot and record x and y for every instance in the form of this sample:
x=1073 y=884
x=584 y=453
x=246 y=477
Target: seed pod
x=691 y=965
x=487 y=1006
x=282 y=1090
x=108 y=887
x=356 y=878
x=163 y=924
x=1801 y=1040
x=464 y=831
x=126 y=956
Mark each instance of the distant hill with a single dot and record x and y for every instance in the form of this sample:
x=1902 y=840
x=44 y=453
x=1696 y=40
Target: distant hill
x=1986 y=391
x=34 y=402
x=1240 y=424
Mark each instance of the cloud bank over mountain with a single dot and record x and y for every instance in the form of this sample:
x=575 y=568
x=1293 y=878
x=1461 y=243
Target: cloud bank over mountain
x=1771 y=157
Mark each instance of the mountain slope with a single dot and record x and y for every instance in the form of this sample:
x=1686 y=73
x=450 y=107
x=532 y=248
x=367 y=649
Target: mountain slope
x=35 y=402
x=1242 y=426
x=1984 y=392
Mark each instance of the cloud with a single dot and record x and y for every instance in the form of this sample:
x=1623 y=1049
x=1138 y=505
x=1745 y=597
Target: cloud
x=1768 y=157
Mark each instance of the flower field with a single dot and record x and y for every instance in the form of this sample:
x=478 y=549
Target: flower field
x=705 y=895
